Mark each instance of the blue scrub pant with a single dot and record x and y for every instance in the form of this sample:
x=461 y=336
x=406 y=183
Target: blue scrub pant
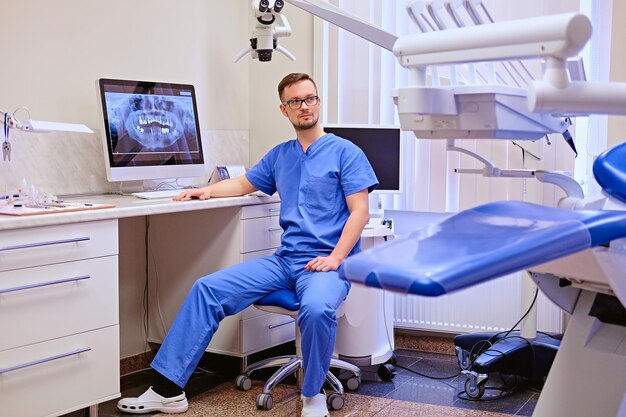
x=231 y=290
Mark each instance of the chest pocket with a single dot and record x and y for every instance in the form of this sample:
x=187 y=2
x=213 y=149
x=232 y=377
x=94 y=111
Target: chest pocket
x=322 y=193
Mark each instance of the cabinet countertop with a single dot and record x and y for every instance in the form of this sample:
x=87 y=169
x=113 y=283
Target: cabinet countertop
x=126 y=206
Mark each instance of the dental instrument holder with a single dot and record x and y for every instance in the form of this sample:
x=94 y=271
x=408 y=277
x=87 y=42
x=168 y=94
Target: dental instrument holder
x=571 y=187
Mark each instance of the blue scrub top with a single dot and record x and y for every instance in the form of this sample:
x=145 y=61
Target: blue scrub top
x=313 y=186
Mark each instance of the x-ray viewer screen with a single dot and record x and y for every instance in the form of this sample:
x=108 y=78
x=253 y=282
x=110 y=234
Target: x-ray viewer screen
x=151 y=124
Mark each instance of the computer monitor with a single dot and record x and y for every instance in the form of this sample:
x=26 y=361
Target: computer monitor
x=151 y=130
x=381 y=146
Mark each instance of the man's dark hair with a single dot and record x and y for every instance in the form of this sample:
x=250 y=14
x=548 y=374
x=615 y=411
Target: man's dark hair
x=293 y=78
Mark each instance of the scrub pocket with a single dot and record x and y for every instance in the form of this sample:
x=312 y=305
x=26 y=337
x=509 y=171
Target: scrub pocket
x=322 y=193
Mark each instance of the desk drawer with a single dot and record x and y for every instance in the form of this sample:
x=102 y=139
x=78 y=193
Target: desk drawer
x=261 y=233
x=35 y=384
x=261 y=210
x=23 y=248
x=53 y=301
x=265 y=331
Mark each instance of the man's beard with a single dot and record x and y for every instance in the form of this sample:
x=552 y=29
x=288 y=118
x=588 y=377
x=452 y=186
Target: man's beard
x=305 y=125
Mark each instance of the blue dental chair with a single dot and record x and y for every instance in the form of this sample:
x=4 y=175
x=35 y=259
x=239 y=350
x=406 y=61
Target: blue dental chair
x=568 y=257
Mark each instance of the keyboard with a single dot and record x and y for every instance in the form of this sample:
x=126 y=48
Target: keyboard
x=151 y=195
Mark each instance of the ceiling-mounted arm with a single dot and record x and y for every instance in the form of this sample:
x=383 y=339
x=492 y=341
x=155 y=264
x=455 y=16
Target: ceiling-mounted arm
x=348 y=22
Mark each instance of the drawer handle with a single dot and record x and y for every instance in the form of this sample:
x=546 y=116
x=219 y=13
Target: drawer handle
x=275 y=229
x=273 y=326
x=40 y=361
x=36 y=245
x=44 y=284
x=274 y=210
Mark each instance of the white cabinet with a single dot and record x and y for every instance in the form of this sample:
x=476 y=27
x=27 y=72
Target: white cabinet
x=59 y=349
x=213 y=239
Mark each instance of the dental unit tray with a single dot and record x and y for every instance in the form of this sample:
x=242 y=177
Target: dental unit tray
x=473 y=112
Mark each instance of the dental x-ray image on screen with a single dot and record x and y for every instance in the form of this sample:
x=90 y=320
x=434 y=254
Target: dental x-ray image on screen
x=152 y=130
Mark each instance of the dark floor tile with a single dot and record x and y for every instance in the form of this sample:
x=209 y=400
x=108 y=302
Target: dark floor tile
x=378 y=389
x=407 y=352
x=422 y=390
x=497 y=400
x=440 y=366
x=528 y=408
x=405 y=362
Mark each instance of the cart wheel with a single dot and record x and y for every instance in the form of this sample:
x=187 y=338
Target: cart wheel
x=335 y=401
x=393 y=359
x=353 y=383
x=474 y=392
x=264 y=402
x=386 y=372
x=243 y=382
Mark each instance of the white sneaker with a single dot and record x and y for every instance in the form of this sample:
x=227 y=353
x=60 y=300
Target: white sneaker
x=314 y=406
x=150 y=401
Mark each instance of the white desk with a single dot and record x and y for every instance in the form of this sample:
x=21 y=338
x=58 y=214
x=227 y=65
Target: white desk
x=59 y=297
x=127 y=206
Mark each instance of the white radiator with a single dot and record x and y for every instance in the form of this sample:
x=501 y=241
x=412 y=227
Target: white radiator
x=492 y=306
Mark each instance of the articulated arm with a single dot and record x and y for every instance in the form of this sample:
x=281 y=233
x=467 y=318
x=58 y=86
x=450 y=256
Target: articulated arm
x=348 y=22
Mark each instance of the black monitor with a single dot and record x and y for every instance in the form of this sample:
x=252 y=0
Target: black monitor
x=151 y=130
x=381 y=146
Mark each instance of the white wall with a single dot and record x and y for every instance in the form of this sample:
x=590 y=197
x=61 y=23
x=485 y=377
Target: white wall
x=617 y=124
x=54 y=51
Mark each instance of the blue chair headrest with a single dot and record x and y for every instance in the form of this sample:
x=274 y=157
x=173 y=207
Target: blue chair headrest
x=609 y=169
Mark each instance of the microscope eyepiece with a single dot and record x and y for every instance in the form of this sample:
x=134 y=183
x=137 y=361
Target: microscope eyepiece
x=278 y=6
x=264 y=5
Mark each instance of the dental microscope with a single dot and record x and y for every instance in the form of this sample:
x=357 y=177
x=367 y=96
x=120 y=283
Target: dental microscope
x=269 y=25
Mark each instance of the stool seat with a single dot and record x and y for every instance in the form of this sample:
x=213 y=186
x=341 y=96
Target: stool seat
x=286 y=302
x=286 y=299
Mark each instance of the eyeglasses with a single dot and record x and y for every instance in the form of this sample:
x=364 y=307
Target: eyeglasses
x=296 y=103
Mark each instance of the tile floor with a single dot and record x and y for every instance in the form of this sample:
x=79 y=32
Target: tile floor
x=213 y=393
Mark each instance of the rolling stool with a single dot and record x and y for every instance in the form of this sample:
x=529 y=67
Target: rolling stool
x=286 y=302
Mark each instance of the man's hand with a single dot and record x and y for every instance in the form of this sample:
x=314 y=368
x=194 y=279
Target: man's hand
x=194 y=193
x=323 y=264
x=231 y=187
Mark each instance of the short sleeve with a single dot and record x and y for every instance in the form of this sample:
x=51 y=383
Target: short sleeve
x=356 y=172
x=261 y=175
